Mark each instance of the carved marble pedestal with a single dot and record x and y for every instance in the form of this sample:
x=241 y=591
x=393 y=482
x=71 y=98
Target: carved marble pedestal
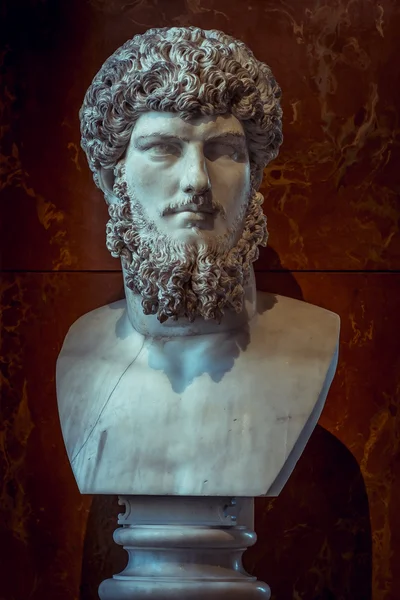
x=187 y=548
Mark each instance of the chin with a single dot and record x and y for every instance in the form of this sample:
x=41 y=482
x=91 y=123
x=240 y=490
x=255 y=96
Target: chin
x=195 y=236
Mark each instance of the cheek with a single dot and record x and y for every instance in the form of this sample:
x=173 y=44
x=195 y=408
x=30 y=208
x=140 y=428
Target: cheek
x=155 y=179
x=138 y=175
x=232 y=187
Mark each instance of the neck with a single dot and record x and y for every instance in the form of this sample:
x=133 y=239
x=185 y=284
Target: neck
x=149 y=325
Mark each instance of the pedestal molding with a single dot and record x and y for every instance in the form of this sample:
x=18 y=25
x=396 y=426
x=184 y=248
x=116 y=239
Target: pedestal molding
x=197 y=558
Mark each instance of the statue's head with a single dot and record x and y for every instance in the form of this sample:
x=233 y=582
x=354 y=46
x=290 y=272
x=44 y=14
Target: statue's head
x=178 y=126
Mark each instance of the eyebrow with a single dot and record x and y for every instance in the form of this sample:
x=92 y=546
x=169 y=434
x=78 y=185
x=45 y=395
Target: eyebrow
x=227 y=135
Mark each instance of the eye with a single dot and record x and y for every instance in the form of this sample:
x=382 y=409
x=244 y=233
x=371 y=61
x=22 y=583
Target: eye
x=217 y=150
x=163 y=149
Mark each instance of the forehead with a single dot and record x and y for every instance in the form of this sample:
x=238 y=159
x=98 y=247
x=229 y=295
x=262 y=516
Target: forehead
x=196 y=129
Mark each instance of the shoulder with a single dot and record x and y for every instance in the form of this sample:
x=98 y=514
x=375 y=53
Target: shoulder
x=298 y=325
x=98 y=349
x=297 y=310
x=105 y=327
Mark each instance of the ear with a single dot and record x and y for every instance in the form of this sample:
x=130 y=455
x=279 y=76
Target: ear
x=256 y=177
x=106 y=183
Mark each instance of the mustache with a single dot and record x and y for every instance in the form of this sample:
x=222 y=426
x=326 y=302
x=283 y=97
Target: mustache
x=199 y=202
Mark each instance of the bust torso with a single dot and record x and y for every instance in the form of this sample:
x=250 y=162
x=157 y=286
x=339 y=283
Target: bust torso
x=194 y=386
x=218 y=414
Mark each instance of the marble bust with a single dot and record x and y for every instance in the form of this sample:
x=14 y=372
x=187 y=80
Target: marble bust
x=195 y=384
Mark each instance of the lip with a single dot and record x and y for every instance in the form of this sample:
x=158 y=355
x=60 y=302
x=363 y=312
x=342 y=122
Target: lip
x=194 y=217
x=194 y=209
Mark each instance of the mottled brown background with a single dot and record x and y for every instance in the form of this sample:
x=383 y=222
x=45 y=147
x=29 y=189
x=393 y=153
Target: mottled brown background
x=332 y=198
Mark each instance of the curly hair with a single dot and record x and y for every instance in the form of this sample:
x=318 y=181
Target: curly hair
x=188 y=71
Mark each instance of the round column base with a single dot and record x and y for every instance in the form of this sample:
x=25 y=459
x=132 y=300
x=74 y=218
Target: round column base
x=113 y=589
x=184 y=548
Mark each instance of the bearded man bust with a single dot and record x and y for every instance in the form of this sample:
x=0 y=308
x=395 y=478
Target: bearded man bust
x=195 y=384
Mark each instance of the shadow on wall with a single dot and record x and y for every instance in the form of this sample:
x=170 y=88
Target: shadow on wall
x=314 y=540
x=269 y=263
x=102 y=557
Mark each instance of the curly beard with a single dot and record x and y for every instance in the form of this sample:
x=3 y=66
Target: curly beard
x=180 y=279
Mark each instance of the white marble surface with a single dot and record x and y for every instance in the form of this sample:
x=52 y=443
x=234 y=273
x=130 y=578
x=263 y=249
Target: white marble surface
x=189 y=548
x=219 y=414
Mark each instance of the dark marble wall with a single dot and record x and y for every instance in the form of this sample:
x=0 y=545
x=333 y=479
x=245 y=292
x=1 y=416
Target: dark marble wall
x=332 y=199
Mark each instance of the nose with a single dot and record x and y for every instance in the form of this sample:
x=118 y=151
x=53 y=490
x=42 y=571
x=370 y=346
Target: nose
x=195 y=178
